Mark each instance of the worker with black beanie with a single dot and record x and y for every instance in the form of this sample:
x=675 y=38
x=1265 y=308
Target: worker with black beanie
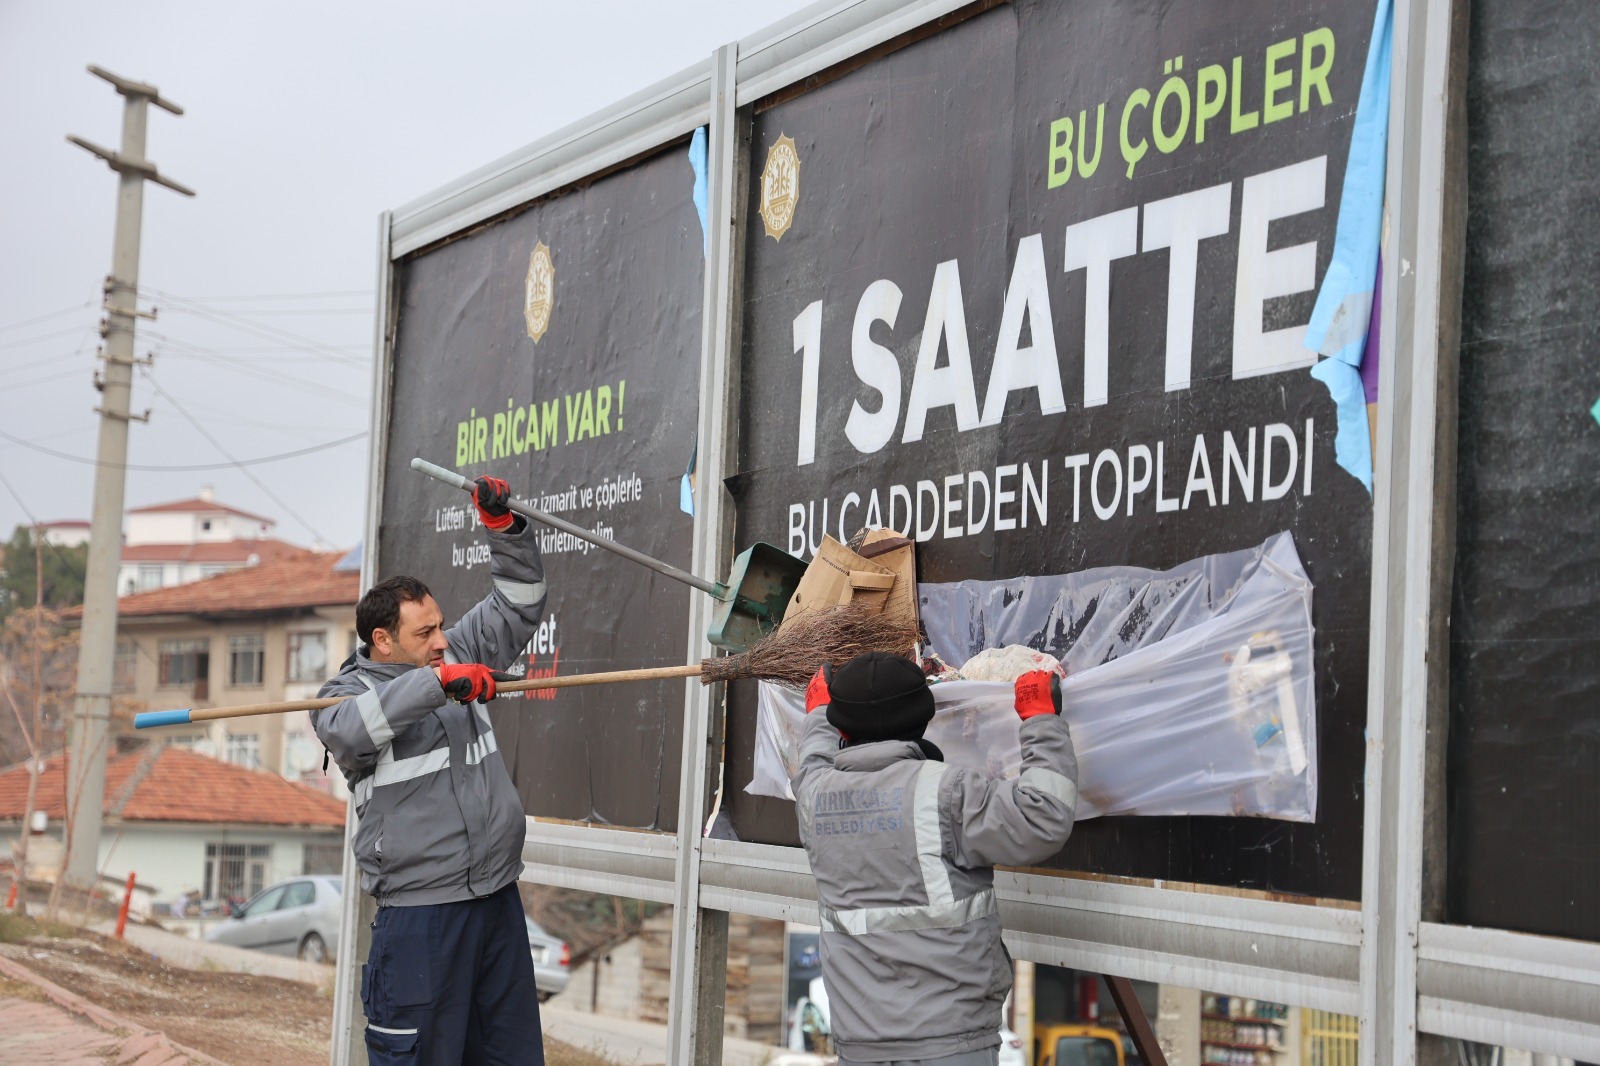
x=903 y=848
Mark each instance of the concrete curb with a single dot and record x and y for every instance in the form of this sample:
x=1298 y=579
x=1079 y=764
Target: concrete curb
x=140 y=1040
x=192 y=954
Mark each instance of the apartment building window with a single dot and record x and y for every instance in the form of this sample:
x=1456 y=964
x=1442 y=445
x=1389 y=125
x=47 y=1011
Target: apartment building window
x=308 y=656
x=149 y=577
x=125 y=666
x=244 y=749
x=213 y=569
x=354 y=643
x=247 y=657
x=184 y=662
x=236 y=871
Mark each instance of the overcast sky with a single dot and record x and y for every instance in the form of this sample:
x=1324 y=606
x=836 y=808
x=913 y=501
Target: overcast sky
x=301 y=123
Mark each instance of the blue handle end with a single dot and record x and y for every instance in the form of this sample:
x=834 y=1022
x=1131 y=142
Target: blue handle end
x=154 y=718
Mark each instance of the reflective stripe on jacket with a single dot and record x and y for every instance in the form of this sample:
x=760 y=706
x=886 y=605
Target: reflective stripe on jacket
x=440 y=820
x=903 y=850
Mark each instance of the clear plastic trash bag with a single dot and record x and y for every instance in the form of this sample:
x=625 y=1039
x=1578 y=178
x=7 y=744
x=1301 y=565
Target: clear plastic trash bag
x=1190 y=690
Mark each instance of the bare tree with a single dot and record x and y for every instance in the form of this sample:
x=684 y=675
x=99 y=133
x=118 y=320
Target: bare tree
x=36 y=637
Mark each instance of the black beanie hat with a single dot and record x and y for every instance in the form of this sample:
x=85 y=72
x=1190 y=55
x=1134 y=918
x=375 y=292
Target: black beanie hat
x=879 y=696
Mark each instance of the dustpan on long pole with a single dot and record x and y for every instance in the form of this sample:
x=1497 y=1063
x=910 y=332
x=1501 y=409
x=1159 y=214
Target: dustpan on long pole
x=750 y=604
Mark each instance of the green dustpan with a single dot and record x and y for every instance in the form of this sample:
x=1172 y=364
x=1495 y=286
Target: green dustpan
x=749 y=606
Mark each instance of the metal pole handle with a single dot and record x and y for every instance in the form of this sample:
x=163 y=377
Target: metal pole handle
x=186 y=715
x=455 y=480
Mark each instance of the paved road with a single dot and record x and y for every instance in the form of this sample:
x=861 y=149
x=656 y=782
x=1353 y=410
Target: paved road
x=631 y=1043
x=46 y=1026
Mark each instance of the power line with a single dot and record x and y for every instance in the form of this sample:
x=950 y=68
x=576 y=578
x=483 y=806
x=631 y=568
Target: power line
x=243 y=349
x=11 y=489
x=257 y=329
x=75 y=372
x=35 y=363
x=64 y=559
x=45 y=318
x=41 y=337
x=246 y=471
x=190 y=468
x=186 y=350
x=296 y=311
x=342 y=294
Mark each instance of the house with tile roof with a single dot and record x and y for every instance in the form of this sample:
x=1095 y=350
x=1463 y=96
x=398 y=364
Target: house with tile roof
x=66 y=532
x=168 y=544
x=185 y=822
x=271 y=632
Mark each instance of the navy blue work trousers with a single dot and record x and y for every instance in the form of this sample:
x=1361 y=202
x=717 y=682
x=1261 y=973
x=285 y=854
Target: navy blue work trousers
x=448 y=984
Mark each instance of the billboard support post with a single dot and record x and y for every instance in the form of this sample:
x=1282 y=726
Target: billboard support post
x=1413 y=533
x=700 y=936
x=357 y=909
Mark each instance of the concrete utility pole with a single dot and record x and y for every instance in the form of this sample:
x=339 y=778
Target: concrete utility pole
x=98 y=639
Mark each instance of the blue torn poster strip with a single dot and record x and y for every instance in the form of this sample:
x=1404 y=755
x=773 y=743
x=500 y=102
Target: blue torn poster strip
x=1339 y=326
x=1595 y=410
x=1352 y=444
x=702 y=189
x=1369 y=355
x=686 y=486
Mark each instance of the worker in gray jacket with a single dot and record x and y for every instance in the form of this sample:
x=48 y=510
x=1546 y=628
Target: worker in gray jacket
x=904 y=847
x=449 y=978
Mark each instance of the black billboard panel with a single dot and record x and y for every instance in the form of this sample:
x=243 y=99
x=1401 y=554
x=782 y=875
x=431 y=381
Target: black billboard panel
x=1034 y=290
x=559 y=348
x=1524 y=753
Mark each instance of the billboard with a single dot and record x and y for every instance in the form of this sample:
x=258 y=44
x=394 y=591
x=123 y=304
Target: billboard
x=559 y=348
x=1034 y=290
x=1523 y=767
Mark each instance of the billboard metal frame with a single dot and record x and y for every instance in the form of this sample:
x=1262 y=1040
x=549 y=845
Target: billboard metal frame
x=1410 y=977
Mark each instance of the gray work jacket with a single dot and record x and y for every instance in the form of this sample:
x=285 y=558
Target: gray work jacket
x=903 y=849
x=440 y=820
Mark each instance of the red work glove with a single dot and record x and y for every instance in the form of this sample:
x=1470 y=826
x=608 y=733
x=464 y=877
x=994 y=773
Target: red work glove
x=490 y=496
x=470 y=682
x=1038 y=692
x=817 y=690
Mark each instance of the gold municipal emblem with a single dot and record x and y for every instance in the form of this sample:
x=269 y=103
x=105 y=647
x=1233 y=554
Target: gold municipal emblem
x=541 y=290
x=780 y=187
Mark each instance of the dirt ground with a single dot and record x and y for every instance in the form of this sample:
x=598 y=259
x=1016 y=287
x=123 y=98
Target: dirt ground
x=238 y=1018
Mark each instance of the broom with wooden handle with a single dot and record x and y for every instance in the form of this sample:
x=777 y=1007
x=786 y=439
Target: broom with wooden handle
x=789 y=656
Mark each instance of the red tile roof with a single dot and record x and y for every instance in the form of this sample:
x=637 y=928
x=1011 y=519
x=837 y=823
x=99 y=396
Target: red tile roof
x=305 y=579
x=166 y=784
x=197 y=506
x=222 y=551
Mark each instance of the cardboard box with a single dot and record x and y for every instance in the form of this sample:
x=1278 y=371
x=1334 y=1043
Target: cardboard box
x=887 y=548
x=882 y=577
x=838 y=576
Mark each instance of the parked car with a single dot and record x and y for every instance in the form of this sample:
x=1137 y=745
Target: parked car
x=297 y=917
x=552 y=961
x=1011 y=1048
x=1061 y=1044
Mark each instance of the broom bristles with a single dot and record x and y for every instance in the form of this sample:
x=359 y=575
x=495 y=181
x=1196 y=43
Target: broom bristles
x=832 y=635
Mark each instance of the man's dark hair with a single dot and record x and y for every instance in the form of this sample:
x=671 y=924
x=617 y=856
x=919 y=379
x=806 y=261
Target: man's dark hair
x=380 y=607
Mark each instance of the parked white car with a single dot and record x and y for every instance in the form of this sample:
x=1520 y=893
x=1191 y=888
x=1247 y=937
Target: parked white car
x=552 y=961
x=297 y=917
x=1010 y=1049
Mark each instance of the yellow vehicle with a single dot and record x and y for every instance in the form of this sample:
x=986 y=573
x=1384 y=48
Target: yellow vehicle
x=1056 y=1044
